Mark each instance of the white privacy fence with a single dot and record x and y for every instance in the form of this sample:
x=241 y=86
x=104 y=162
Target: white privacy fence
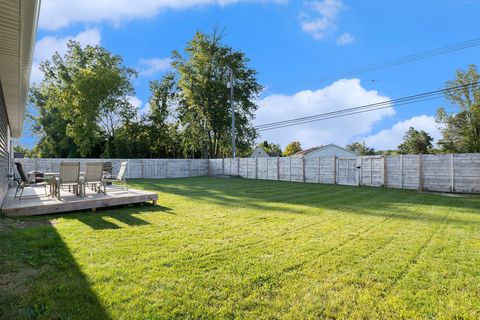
x=136 y=168
x=443 y=172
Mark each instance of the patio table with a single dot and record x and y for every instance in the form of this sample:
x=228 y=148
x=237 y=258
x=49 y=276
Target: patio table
x=52 y=178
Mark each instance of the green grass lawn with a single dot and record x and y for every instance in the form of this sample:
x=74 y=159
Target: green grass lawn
x=234 y=248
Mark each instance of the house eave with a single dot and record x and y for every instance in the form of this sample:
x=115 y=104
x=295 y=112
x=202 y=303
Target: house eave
x=18 y=25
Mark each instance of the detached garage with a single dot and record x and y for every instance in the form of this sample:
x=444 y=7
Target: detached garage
x=325 y=151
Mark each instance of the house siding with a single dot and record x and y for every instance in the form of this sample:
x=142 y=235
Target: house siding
x=4 y=148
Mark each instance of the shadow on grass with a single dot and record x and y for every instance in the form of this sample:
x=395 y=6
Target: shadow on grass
x=304 y=198
x=104 y=218
x=40 y=279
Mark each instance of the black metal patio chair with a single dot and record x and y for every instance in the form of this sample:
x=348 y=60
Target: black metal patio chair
x=24 y=183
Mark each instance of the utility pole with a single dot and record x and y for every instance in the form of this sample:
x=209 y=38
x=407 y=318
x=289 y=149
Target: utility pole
x=231 y=85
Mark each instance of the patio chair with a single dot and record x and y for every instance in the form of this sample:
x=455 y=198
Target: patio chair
x=22 y=182
x=69 y=177
x=94 y=177
x=120 y=178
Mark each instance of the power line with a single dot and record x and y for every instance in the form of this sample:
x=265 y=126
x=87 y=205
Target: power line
x=395 y=62
x=360 y=109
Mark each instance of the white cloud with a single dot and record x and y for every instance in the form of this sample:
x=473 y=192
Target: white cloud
x=323 y=22
x=135 y=101
x=56 y=14
x=341 y=94
x=47 y=46
x=152 y=66
x=344 y=39
x=144 y=110
x=389 y=139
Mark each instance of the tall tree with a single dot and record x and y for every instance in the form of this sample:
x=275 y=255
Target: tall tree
x=49 y=125
x=361 y=148
x=88 y=89
x=161 y=115
x=203 y=106
x=291 y=148
x=415 y=141
x=461 y=126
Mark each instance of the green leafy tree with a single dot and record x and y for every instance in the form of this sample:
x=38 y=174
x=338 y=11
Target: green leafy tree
x=49 y=124
x=461 y=126
x=203 y=98
x=27 y=152
x=88 y=90
x=291 y=148
x=271 y=147
x=361 y=148
x=415 y=141
x=161 y=115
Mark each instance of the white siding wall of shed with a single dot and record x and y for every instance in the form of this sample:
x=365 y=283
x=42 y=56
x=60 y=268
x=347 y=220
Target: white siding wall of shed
x=258 y=152
x=330 y=151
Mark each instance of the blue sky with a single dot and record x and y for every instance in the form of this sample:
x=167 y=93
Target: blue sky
x=293 y=45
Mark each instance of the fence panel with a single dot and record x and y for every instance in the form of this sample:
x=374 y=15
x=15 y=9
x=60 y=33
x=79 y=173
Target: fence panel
x=347 y=171
x=466 y=173
x=372 y=171
x=442 y=172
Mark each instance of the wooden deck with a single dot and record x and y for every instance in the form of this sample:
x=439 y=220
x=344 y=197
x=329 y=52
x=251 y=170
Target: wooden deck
x=34 y=201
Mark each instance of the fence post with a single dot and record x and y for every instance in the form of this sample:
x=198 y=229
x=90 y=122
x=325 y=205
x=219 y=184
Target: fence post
x=348 y=169
x=401 y=171
x=420 y=172
x=318 y=170
x=385 y=176
x=290 y=169
x=334 y=170
x=247 y=167
x=452 y=170
x=303 y=169
x=143 y=169
x=166 y=168
x=360 y=175
x=256 y=168
x=278 y=168
x=223 y=166
x=371 y=171
x=267 y=167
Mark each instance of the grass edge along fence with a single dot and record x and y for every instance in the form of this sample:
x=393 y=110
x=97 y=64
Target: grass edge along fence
x=457 y=173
